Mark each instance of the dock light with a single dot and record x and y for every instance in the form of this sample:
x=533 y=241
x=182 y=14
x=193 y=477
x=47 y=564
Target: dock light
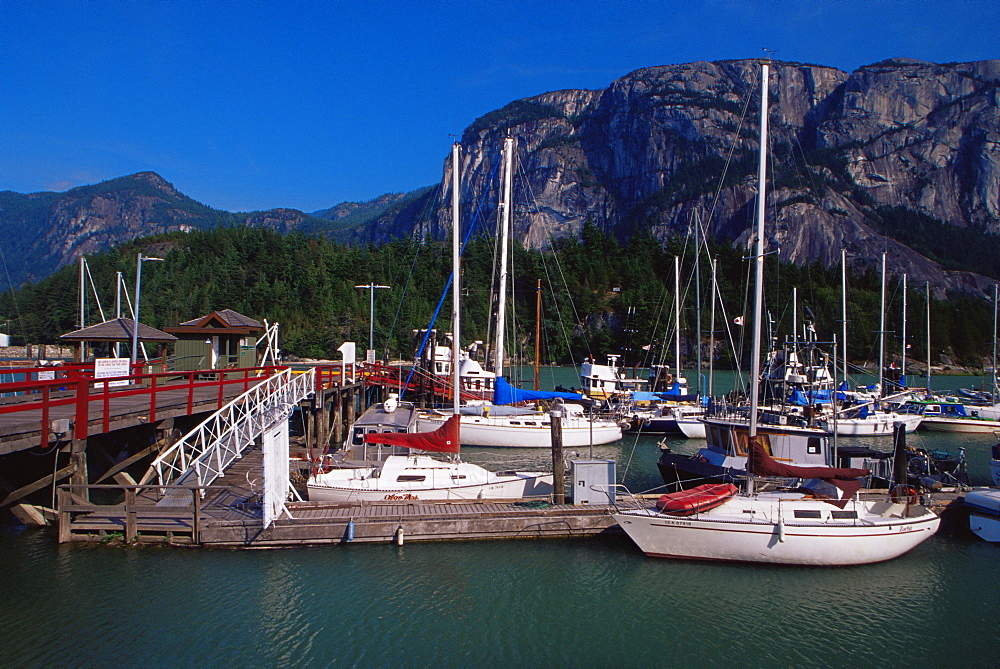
x=371 y=313
x=135 y=317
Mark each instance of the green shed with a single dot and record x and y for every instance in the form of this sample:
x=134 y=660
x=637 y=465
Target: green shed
x=223 y=338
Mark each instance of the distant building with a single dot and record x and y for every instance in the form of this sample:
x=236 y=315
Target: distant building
x=220 y=339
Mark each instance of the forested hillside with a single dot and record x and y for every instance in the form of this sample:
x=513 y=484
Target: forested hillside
x=599 y=296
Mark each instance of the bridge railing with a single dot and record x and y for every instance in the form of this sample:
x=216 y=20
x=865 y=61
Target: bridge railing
x=201 y=456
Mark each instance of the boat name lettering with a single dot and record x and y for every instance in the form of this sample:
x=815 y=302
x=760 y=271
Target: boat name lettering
x=399 y=498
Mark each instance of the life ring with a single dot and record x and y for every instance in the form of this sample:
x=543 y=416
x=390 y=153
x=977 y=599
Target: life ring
x=903 y=493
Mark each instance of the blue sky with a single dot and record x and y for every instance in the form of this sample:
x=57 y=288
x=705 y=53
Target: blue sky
x=248 y=105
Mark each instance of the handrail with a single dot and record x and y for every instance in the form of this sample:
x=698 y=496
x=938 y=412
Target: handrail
x=205 y=451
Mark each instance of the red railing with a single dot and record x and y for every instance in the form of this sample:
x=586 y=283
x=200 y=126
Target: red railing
x=74 y=386
x=77 y=388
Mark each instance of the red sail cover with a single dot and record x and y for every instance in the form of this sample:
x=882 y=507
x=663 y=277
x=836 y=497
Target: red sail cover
x=843 y=478
x=442 y=440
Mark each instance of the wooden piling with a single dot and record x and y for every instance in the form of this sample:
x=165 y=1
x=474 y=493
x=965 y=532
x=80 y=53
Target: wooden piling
x=558 y=466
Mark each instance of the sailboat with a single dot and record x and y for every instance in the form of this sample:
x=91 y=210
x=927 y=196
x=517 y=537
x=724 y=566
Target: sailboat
x=397 y=477
x=498 y=424
x=786 y=527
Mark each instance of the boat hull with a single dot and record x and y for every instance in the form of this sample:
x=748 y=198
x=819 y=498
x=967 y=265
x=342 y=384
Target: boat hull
x=880 y=425
x=521 y=485
x=521 y=432
x=727 y=533
x=984 y=513
x=965 y=425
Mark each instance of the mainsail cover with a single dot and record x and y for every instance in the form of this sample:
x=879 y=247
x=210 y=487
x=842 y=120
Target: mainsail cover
x=843 y=478
x=504 y=393
x=445 y=439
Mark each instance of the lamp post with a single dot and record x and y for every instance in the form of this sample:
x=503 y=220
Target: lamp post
x=371 y=314
x=135 y=317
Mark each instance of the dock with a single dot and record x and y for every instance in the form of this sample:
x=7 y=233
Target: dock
x=228 y=515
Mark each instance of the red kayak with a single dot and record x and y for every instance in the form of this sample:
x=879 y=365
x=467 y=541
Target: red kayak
x=700 y=498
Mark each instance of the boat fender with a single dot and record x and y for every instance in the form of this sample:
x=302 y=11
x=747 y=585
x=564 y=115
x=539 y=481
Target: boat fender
x=350 y=530
x=781 y=530
x=399 y=536
x=903 y=494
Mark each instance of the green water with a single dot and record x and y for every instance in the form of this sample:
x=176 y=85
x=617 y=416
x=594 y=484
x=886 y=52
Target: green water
x=574 y=603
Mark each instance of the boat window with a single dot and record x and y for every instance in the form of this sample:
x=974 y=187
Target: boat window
x=844 y=515
x=456 y=477
x=813 y=447
x=808 y=513
x=515 y=422
x=411 y=478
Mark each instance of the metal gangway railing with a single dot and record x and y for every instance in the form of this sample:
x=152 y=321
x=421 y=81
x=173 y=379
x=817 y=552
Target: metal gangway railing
x=202 y=455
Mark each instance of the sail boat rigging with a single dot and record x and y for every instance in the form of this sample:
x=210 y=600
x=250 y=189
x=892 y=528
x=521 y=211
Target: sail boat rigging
x=782 y=526
x=412 y=477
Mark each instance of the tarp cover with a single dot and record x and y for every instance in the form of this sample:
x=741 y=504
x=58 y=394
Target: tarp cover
x=504 y=393
x=844 y=478
x=445 y=439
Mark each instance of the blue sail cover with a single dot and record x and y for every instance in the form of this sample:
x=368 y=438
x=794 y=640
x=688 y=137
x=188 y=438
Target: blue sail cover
x=504 y=393
x=813 y=397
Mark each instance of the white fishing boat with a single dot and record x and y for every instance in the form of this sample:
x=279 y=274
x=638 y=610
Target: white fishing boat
x=950 y=415
x=781 y=527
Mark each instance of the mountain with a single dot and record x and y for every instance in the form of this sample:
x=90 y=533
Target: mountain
x=41 y=232
x=901 y=157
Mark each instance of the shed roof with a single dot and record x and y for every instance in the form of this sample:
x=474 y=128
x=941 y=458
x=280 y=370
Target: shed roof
x=223 y=320
x=117 y=329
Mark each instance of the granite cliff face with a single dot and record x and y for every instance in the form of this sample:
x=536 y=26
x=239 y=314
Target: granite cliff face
x=665 y=146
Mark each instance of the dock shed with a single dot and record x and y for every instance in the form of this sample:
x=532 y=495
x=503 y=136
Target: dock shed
x=223 y=338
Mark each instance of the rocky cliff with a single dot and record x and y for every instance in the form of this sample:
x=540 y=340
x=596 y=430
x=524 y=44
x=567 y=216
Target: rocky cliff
x=665 y=146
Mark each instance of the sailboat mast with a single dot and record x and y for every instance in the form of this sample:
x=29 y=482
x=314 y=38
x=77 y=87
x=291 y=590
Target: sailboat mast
x=758 y=301
x=677 y=319
x=697 y=300
x=927 y=296
x=508 y=170
x=843 y=306
x=881 y=336
x=538 y=328
x=902 y=359
x=456 y=291
x=711 y=335
x=993 y=397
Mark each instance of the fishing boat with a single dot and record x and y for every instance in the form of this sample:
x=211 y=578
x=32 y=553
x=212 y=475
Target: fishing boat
x=812 y=525
x=950 y=415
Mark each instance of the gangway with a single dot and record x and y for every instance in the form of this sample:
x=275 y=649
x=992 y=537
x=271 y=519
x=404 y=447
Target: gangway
x=202 y=455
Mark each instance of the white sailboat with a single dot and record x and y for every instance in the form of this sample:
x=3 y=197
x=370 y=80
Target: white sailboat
x=777 y=527
x=497 y=425
x=395 y=477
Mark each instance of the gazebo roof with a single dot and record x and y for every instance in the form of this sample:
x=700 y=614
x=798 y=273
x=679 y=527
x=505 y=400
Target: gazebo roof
x=220 y=321
x=117 y=329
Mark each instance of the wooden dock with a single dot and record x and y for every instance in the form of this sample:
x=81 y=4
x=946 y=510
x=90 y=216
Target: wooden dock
x=229 y=516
